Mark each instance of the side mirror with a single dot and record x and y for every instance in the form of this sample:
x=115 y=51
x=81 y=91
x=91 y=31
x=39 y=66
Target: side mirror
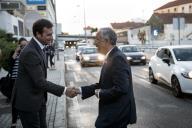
x=166 y=60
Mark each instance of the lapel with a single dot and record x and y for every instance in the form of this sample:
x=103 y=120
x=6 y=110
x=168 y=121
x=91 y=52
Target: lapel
x=107 y=62
x=41 y=54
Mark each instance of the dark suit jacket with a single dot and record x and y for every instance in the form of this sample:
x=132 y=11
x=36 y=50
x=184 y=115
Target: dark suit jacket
x=116 y=98
x=31 y=86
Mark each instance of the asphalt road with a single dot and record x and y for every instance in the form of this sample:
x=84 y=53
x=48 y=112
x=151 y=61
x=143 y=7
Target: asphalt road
x=156 y=106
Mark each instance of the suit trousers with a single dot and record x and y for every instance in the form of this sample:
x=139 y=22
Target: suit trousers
x=33 y=119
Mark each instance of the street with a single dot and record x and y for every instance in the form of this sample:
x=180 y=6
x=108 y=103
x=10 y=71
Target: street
x=156 y=106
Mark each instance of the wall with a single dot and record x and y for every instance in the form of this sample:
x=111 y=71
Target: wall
x=170 y=36
x=132 y=34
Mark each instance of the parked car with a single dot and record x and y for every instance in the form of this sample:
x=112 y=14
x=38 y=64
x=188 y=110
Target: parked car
x=172 y=65
x=90 y=56
x=134 y=55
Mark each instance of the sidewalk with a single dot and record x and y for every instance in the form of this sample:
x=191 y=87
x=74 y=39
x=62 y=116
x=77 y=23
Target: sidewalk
x=56 y=106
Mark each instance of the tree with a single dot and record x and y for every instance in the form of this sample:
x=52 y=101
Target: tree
x=93 y=30
x=6 y=47
x=142 y=36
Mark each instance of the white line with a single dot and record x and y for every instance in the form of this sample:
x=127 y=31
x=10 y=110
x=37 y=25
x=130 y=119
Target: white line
x=76 y=107
x=145 y=69
x=146 y=83
x=77 y=78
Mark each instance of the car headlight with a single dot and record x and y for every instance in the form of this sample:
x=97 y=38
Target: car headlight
x=101 y=57
x=143 y=57
x=187 y=74
x=86 y=58
x=129 y=58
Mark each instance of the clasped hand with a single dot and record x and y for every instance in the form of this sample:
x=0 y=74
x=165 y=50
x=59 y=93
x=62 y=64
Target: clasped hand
x=72 y=92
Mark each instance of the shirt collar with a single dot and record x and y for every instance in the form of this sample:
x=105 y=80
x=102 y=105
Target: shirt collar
x=40 y=44
x=108 y=53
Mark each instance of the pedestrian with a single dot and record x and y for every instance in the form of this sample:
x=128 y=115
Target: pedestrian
x=14 y=65
x=52 y=53
x=117 y=106
x=31 y=87
x=50 y=50
x=47 y=54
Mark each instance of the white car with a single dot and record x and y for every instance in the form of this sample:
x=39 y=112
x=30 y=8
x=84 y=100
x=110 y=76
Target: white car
x=172 y=65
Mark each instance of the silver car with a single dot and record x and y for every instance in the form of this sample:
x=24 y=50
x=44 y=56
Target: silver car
x=90 y=56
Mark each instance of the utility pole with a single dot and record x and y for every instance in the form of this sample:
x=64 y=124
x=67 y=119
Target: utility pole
x=179 y=30
x=56 y=39
x=85 y=27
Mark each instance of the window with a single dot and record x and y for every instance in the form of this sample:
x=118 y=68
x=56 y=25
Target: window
x=175 y=9
x=21 y=28
x=160 y=53
x=168 y=11
x=183 y=54
x=190 y=9
x=15 y=30
x=183 y=9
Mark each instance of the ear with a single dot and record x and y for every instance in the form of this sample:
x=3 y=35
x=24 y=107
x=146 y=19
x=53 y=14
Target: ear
x=38 y=35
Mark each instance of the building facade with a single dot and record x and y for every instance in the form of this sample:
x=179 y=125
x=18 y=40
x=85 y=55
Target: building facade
x=17 y=16
x=177 y=6
x=12 y=14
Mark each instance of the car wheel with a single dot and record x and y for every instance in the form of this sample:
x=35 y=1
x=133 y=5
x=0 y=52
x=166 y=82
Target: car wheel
x=176 y=87
x=77 y=58
x=144 y=63
x=151 y=77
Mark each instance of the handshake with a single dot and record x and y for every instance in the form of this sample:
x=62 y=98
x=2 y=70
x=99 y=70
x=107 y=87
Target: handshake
x=72 y=91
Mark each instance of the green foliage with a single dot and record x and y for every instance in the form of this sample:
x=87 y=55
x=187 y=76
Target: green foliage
x=94 y=30
x=6 y=46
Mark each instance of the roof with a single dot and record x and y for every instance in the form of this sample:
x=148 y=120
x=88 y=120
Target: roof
x=174 y=3
x=127 y=24
x=167 y=18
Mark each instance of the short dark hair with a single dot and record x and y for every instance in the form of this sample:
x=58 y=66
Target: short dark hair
x=40 y=24
x=21 y=39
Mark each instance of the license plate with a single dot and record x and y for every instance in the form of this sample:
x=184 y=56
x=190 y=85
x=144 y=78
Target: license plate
x=136 y=60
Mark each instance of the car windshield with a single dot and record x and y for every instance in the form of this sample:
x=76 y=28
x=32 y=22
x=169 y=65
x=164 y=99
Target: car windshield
x=130 y=49
x=80 y=49
x=89 y=50
x=183 y=54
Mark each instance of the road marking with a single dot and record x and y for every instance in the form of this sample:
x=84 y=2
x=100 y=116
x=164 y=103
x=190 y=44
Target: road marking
x=145 y=83
x=145 y=69
x=168 y=106
x=76 y=108
x=77 y=77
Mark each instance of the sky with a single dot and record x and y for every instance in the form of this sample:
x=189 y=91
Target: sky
x=76 y=14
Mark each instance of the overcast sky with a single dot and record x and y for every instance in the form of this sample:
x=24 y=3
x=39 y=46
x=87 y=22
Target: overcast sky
x=100 y=13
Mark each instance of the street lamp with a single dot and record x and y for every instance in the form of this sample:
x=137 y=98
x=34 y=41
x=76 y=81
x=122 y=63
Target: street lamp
x=56 y=41
x=85 y=27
